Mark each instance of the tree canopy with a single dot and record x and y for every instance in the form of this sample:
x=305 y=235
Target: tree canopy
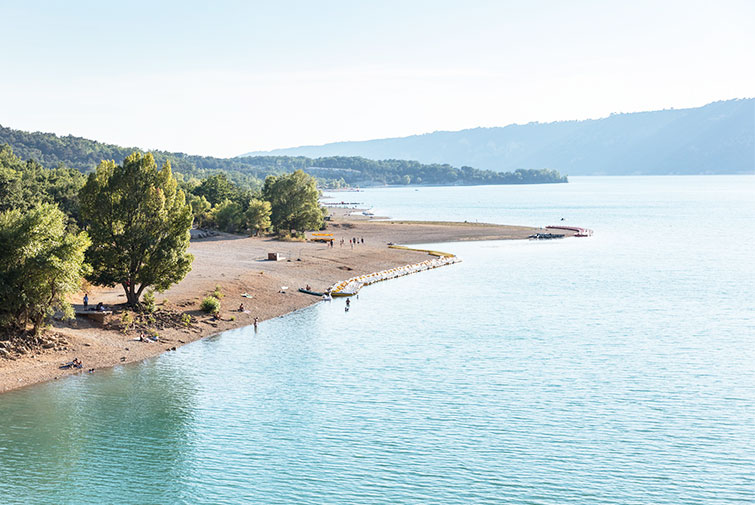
x=294 y=202
x=139 y=223
x=25 y=184
x=247 y=172
x=41 y=263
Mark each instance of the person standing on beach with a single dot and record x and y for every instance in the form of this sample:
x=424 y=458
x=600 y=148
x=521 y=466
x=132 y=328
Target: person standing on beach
x=86 y=300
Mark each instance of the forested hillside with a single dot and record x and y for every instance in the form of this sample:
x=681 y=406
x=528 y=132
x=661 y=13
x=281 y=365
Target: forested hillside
x=52 y=151
x=716 y=138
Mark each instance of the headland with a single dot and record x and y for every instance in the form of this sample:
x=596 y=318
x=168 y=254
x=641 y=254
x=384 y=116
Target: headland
x=237 y=266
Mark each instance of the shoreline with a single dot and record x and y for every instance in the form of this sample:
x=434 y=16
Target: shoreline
x=238 y=265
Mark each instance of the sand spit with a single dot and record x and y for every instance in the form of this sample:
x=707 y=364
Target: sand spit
x=239 y=265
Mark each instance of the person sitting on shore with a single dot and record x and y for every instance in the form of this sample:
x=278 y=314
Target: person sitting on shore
x=241 y=308
x=100 y=307
x=308 y=288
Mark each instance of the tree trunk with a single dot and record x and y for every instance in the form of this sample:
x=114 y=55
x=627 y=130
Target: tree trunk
x=139 y=292
x=131 y=298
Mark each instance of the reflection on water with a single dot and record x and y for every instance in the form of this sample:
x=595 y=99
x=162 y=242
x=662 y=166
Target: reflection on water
x=127 y=429
x=616 y=369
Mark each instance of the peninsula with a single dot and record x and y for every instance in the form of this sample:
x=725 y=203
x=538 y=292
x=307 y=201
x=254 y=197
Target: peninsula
x=237 y=265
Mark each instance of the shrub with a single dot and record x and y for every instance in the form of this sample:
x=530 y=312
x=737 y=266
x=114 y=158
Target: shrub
x=127 y=320
x=186 y=319
x=149 y=301
x=217 y=293
x=211 y=305
x=292 y=237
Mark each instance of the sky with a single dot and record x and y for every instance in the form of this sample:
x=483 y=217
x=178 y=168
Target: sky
x=223 y=78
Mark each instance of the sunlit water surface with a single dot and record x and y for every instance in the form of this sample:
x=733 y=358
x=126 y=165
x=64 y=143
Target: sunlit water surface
x=614 y=369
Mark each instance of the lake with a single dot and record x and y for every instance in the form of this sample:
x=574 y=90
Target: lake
x=618 y=368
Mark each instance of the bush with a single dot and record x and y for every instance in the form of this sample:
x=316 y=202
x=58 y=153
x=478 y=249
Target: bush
x=292 y=237
x=149 y=301
x=211 y=305
x=217 y=293
x=186 y=319
x=127 y=320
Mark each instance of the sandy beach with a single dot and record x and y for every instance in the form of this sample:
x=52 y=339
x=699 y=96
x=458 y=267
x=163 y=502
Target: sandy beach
x=239 y=265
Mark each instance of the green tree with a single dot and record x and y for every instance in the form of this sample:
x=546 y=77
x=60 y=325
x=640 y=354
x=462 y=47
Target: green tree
x=216 y=189
x=41 y=263
x=294 y=202
x=139 y=223
x=25 y=184
x=200 y=210
x=257 y=216
x=228 y=216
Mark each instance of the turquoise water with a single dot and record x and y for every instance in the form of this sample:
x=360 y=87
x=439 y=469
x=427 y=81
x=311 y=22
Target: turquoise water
x=614 y=369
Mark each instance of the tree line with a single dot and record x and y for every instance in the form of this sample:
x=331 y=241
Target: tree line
x=83 y=154
x=125 y=224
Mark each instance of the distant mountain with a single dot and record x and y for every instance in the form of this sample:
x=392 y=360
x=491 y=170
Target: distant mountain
x=714 y=139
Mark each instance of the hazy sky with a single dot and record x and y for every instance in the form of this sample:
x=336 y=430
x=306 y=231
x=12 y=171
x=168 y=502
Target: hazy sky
x=223 y=78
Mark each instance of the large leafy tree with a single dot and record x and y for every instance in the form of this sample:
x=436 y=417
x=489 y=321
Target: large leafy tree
x=228 y=216
x=200 y=208
x=41 y=263
x=294 y=202
x=139 y=223
x=257 y=216
x=216 y=189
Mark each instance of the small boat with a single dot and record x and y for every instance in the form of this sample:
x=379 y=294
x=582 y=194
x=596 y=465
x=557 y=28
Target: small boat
x=310 y=292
